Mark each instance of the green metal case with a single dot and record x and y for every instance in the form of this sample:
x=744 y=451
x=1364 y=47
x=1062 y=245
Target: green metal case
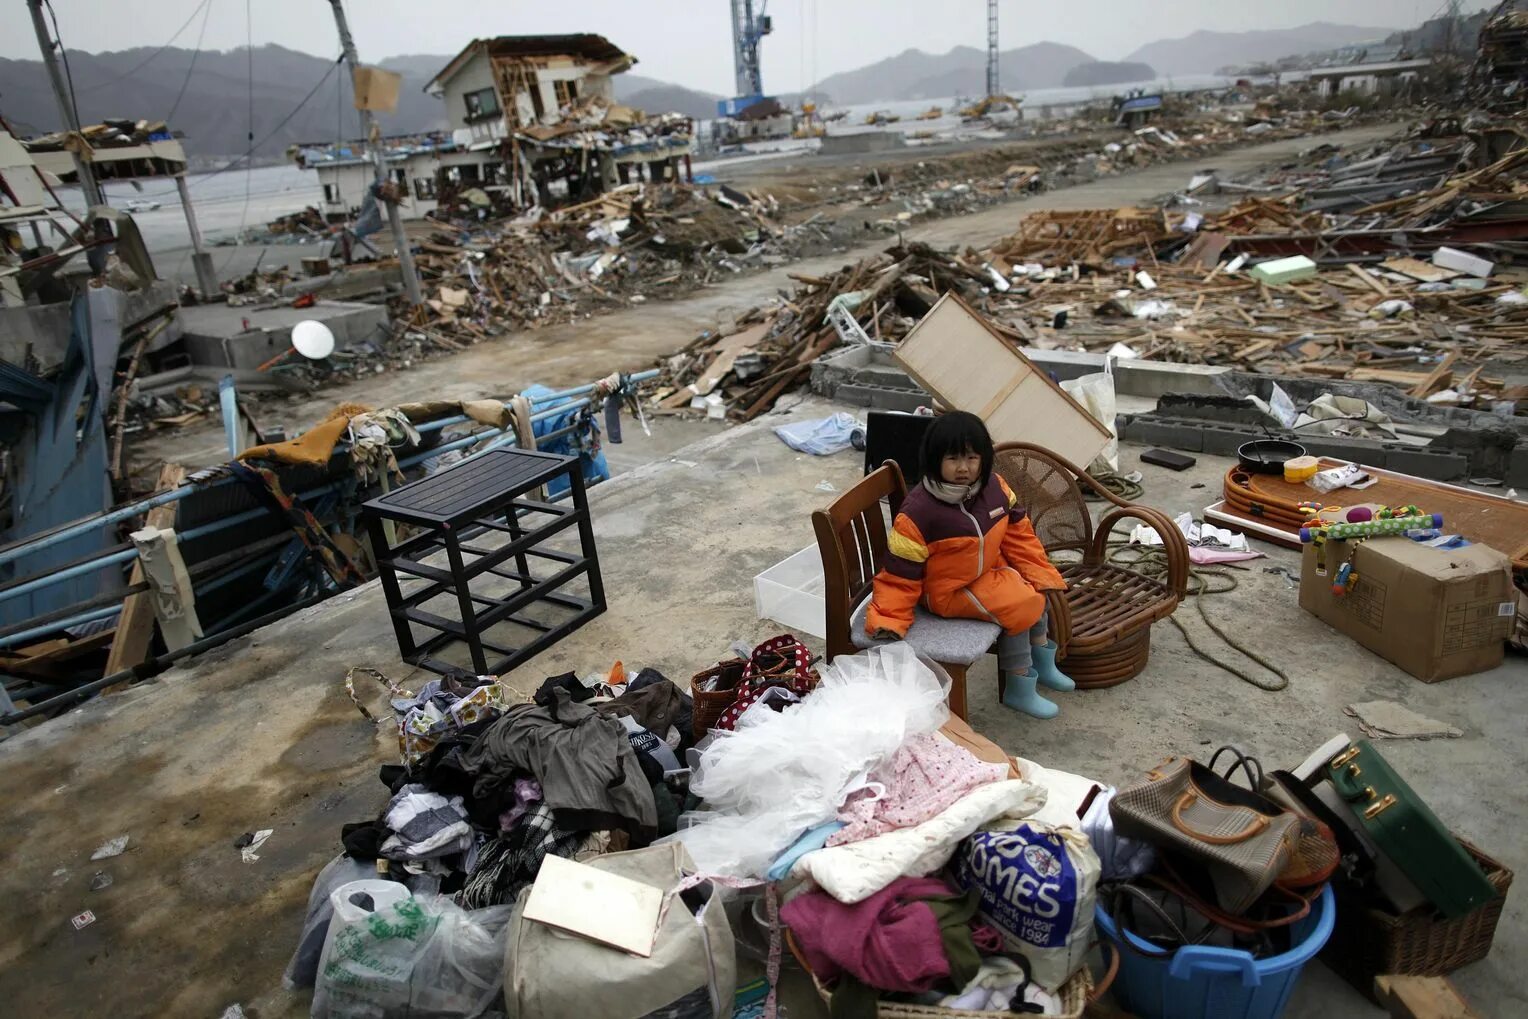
x=1403 y=827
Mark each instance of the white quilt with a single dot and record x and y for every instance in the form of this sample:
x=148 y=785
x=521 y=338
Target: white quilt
x=854 y=872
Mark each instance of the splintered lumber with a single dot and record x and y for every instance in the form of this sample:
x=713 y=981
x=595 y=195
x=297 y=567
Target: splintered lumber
x=135 y=627
x=1439 y=377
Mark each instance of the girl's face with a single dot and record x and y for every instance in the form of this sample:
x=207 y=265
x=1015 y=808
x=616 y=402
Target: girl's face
x=960 y=468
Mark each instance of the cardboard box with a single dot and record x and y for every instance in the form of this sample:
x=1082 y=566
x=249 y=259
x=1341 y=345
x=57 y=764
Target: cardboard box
x=376 y=89
x=1437 y=613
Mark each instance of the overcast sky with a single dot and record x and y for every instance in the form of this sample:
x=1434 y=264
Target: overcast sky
x=689 y=41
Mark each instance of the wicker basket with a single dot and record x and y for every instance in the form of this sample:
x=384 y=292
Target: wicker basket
x=1075 y=995
x=1369 y=941
x=709 y=704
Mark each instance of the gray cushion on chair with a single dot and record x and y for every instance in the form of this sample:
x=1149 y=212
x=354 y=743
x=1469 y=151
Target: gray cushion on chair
x=957 y=641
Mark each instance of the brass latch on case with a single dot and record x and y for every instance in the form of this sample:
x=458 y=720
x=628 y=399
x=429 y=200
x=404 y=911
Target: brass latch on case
x=1344 y=757
x=1379 y=808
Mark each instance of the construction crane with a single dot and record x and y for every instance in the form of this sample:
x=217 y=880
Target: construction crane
x=748 y=29
x=992 y=82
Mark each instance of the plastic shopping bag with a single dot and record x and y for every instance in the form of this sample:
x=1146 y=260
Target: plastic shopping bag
x=1096 y=394
x=389 y=954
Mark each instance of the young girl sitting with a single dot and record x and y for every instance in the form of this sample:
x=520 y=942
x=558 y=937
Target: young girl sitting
x=963 y=548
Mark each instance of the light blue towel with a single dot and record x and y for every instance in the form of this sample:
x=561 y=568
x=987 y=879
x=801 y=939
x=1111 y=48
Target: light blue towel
x=815 y=838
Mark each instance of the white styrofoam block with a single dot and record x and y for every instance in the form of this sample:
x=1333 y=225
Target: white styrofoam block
x=1463 y=261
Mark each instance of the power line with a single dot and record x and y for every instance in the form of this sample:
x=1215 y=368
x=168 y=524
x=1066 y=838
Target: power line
x=150 y=58
x=234 y=164
x=207 y=16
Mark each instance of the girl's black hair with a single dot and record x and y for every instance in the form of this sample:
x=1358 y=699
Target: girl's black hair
x=955 y=432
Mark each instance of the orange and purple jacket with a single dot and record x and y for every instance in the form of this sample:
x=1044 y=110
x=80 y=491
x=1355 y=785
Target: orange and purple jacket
x=978 y=560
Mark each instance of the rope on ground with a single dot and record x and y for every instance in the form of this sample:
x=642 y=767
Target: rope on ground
x=1121 y=486
x=1152 y=562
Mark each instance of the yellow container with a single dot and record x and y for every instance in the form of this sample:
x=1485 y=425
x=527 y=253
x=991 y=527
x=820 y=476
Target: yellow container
x=1300 y=469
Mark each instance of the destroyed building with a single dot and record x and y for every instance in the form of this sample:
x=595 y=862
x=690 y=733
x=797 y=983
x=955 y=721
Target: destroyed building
x=415 y=163
x=543 y=106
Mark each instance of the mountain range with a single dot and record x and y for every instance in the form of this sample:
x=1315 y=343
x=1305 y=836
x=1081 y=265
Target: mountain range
x=1207 y=52
x=219 y=110
x=297 y=97
x=914 y=74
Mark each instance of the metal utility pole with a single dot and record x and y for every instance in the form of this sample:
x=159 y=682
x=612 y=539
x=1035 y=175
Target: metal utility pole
x=65 y=103
x=992 y=82
x=379 y=161
x=206 y=278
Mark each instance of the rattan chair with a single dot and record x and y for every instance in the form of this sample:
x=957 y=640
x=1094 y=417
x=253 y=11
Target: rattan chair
x=1102 y=622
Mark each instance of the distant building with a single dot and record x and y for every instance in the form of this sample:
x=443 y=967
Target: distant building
x=415 y=162
x=1368 y=78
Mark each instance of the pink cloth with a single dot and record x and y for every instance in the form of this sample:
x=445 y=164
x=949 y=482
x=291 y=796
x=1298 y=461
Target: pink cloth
x=926 y=775
x=890 y=941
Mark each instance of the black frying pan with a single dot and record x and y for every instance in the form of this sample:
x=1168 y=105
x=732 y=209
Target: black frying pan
x=1268 y=456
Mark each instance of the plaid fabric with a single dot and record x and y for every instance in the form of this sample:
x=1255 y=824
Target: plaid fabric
x=267 y=488
x=510 y=862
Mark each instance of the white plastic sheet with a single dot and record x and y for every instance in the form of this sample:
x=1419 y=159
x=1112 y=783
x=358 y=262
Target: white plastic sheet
x=784 y=773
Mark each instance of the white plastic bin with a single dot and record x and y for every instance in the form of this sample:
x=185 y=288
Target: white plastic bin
x=790 y=593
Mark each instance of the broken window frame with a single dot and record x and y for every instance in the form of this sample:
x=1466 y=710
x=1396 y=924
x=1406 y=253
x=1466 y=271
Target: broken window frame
x=424 y=187
x=482 y=104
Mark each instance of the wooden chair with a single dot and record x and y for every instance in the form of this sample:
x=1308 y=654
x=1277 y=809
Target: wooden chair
x=1102 y=623
x=851 y=537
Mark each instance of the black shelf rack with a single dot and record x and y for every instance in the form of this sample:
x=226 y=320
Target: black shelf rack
x=491 y=494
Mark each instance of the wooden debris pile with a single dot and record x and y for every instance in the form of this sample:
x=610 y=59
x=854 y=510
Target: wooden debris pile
x=1177 y=284
x=630 y=244
x=740 y=371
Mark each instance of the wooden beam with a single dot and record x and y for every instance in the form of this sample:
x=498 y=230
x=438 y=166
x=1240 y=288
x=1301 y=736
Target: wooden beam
x=1421 y=998
x=1440 y=376
x=135 y=627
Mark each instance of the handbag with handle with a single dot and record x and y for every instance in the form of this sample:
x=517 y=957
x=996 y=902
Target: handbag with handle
x=1241 y=839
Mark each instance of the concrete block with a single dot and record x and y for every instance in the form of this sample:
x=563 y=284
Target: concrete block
x=1426 y=464
x=1222 y=441
x=1158 y=378
x=1063 y=365
x=883 y=397
x=1167 y=434
x=248 y=337
x=1517 y=467
x=1132 y=377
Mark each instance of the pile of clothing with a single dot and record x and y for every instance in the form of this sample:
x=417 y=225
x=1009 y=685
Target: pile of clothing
x=488 y=788
x=917 y=861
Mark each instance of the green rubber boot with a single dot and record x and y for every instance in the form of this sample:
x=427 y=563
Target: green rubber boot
x=1051 y=677
x=1019 y=694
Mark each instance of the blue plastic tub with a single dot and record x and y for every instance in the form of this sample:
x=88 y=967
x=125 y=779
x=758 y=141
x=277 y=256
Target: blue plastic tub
x=1199 y=982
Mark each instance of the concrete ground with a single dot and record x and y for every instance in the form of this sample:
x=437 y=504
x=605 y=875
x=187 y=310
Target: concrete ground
x=261 y=734
x=633 y=338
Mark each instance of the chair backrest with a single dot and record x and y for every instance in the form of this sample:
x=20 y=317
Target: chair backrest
x=851 y=538
x=1046 y=485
